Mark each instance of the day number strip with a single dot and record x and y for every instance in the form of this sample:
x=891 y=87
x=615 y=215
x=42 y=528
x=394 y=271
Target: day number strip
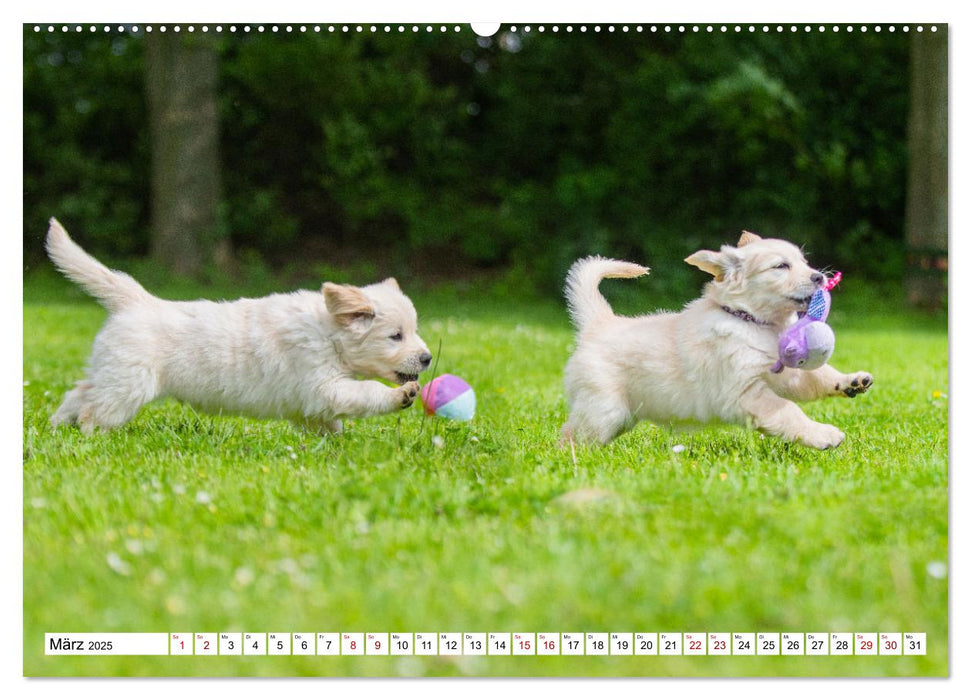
x=487 y=644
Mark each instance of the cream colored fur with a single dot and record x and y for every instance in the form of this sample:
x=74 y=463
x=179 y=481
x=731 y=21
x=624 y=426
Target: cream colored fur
x=703 y=363
x=296 y=356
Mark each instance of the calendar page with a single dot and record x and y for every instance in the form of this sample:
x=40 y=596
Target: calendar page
x=391 y=349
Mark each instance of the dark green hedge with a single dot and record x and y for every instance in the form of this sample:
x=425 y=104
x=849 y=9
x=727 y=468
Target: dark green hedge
x=521 y=151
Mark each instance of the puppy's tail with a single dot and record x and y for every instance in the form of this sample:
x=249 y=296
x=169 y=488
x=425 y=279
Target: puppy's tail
x=115 y=290
x=583 y=298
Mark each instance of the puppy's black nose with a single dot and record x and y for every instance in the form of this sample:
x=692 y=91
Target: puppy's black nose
x=426 y=359
x=817 y=278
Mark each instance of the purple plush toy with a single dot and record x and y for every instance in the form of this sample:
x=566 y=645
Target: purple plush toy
x=809 y=342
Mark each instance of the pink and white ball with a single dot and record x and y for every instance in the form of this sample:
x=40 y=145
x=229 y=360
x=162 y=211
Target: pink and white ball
x=448 y=396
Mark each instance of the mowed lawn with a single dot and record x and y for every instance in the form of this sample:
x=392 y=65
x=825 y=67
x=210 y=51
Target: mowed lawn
x=182 y=522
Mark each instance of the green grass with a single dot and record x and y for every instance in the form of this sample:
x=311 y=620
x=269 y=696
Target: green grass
x=228 y=524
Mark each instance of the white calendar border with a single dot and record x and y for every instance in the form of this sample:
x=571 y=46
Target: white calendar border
x=11 y=648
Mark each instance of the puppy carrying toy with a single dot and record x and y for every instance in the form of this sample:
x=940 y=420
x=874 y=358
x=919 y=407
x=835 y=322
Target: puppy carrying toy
x=809 y=342
x=711 y=360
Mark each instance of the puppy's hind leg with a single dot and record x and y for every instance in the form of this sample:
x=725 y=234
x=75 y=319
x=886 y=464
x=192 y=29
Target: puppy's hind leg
x=596 y=419
x=70 y=407
x=112 y=398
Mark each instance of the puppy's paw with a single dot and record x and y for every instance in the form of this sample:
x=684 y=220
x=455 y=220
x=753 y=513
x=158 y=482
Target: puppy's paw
x=823 y=437
x=852 y=384
x=406 y=394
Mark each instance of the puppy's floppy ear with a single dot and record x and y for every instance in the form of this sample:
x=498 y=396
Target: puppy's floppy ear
x=392 y=282
x=748 y=237
x=346 y=303
x=719 y=265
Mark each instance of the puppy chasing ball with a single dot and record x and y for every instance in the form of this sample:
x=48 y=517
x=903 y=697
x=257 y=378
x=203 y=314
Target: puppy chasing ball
x=710 y=362
x=297 y=356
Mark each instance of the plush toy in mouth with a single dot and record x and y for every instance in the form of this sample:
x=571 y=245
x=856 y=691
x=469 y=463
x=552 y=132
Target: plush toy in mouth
x=809 y=342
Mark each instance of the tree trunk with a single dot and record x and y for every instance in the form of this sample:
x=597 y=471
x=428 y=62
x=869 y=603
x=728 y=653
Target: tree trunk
x=180 y=77
x=927 y=185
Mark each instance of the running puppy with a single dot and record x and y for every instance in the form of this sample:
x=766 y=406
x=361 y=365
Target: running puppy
x=709 y=362
x=296 y=356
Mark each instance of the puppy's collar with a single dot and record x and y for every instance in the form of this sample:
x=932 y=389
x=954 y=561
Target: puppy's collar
x=745 y=316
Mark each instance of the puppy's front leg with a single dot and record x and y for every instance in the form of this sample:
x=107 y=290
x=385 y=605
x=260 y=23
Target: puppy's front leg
x=359 y=399
x=809 y=385
x=775 y=415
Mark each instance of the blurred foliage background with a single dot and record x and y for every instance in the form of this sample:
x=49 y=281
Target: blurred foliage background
x=443 y=155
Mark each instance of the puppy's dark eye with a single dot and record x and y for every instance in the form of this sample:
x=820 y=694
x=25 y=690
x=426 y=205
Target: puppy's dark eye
x=782 y=266
x=397 y=337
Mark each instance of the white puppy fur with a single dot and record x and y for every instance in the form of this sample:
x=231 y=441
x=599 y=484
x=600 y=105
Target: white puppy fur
x=711 y=361
x=296 y=356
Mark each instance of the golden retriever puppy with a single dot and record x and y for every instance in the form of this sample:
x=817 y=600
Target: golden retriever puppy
x=297 y=356
x=709 y=362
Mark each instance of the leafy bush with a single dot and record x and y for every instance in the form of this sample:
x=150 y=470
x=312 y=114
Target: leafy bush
x=519 y=152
